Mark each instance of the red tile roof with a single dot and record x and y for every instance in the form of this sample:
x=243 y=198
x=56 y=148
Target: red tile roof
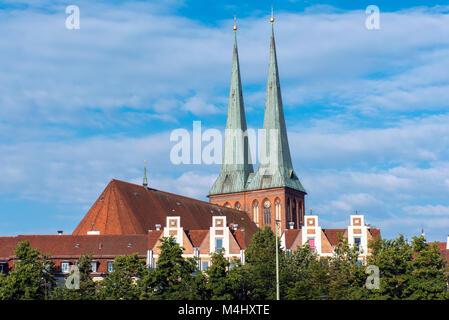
x=74 y=246
x=196 y=237
x=333 y=235
x=153 y=237
x=239 y=236
x=290 y=236
x=375 y=233
x=125 y=208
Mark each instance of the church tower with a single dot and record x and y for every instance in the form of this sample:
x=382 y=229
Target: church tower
x=236 y=164
x=274 y=192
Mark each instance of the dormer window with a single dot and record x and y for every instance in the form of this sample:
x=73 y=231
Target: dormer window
x=110 y=266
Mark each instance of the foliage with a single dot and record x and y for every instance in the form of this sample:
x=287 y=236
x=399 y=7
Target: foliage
x=32 y=277
x=174 y=278
x=408 y=270
x=122 y=282
x=261 y=265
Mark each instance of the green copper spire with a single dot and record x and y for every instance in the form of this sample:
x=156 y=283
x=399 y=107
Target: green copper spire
x=275 y=163
x=236 y=165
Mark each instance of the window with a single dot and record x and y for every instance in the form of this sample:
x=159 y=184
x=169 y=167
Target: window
x=256 y=211
x=218 y=244
x=204 y=265
x=359 y=262
x=294 y=213
x=277 y=203
x=65 y=267
x=238 y=206
x=267 y=212
x=312 y=244
x=94 y=266
x=110 y=266
x=2 y=267
x=287 y=209
x=357 y=241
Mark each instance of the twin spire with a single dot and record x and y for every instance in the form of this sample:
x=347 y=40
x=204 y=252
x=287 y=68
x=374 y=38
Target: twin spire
x=276 y=170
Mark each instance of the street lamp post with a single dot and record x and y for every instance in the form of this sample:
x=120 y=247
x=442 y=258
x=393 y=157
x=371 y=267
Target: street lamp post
x=277 y=261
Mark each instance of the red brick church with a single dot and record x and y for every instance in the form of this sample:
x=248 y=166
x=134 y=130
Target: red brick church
x=129 y=218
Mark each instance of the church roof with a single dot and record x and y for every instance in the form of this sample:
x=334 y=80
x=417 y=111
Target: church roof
x=125 y=208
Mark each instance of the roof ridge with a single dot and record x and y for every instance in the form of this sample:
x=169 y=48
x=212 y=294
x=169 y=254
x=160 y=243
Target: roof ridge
x=178 y=195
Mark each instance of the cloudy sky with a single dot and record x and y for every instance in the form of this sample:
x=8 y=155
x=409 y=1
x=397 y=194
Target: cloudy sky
x=366 y=110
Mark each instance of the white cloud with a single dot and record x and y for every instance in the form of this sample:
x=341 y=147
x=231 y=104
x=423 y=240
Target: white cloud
x=198 y=106
x=428 y=210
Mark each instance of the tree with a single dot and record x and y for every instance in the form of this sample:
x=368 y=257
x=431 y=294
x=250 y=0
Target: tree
x=304 y=275
x=174 y=278
x=261 y=264
x=346 y=276
x=122 y=282
x=427 y=273
x=32 y=277
x=217 y=281
x=393 y=258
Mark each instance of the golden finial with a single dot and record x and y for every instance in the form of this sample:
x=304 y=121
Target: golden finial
x=235 y=23
x=272 y=16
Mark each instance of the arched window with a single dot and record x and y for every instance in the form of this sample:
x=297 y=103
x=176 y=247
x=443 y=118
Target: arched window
x=294 y=213
x=256 y=212
x=287 y=213
x=300 y=213
x=227 y=205
x=277 y=203
x=237 y=205
x=266 y=212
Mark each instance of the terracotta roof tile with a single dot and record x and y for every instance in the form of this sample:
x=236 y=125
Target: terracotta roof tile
x=196 y=237
x=69 y=245
x=125 y=208
x=332 y=235
x=375 y=233
x=290 y=236
x=239 y=236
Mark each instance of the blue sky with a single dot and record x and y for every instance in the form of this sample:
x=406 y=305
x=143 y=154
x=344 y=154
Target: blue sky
x=366 y=111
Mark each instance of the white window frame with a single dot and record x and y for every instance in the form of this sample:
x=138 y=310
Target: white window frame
x=94 y=263
x=65 y=267
x=222 y=244
x=110 y=266
x=203 y=263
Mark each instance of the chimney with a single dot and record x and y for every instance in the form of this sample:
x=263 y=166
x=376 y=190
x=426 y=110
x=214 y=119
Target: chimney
x=291 y=224
x=447 y=243
x=158 y=227
x=60 y=232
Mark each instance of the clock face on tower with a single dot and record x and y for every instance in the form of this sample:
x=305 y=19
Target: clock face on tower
x=267 y=204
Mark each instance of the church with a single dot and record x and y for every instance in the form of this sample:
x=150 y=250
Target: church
x=128 y=218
